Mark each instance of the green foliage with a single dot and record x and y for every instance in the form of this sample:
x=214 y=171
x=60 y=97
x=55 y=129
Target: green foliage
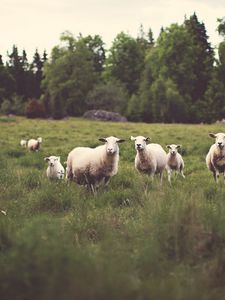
x=177 y=74
x=125 y=62
x=221 y=26
x=15 y=105
x=110 y=96
x=70 y=76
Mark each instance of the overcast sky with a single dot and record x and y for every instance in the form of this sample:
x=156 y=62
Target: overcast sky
x=32 y=24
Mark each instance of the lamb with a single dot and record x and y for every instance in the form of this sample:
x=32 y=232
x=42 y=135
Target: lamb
x=175 y=161
x=34 y=145
x=55 y=169
x=23 y=143
x=215 y=159
x=151 y=158
x=91 y=166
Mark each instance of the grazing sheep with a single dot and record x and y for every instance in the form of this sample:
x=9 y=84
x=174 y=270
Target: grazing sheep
x=23 y=143
x=151 y=158
x=91 y=166
x=215 y=159
x=175 y=161
x=34 y=145
x=55 y=169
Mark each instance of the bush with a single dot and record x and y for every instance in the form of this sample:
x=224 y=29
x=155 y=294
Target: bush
x=109 y=97
x=35 y=109
x=15 y=105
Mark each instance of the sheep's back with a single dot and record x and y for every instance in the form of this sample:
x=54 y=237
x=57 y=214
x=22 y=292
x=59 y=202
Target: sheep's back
x=160 y=155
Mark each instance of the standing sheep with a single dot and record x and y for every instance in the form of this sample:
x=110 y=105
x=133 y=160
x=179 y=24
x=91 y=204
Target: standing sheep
x=215 y=159
x=151 y=158
x=55 y=169
x=175 y=161
x=90 y=166
x=34 y=145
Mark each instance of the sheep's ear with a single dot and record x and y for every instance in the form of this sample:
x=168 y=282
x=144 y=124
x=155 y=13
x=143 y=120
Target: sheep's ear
x=120 y=141
x=102 y=140
x=147 y=139
x=212 y=135
x=168 y=146
x=132 y=138
x=179 y=146
x=46 y=159
x=58 y=158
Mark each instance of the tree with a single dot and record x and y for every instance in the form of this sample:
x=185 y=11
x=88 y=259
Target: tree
x=221 y=26
x=37 y=73
x=182 y=58
x=7 y=84
x=125 y=62
x=69 y=76
x=203 y=56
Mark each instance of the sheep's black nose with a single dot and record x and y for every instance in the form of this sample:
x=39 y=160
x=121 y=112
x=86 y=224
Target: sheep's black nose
x=138 y=145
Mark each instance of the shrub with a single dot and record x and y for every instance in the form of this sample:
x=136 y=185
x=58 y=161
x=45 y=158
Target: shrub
x=35 y=109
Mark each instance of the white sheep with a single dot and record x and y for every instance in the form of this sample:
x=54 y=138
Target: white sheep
x=91 y=166
x=175 y=161
x=34 y=145
x=151 y=158
x=55 y=168
x=215 y=159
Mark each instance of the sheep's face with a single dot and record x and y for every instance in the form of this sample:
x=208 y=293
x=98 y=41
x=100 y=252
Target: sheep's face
x=52 y=160
x=140 y=142
x=220 y=139
x=173 y=149
x=111 y=144
x=39 y=140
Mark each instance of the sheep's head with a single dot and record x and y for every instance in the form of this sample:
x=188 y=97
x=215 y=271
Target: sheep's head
x=173 y=149
x=220 y=139
x=39 y=140
x=111 y=144
x=52 y=160
x=140 y=142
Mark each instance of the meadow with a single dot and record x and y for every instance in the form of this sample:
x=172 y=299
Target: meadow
x=132 y=240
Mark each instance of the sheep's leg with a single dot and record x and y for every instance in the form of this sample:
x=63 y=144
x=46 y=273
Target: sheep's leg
x=169 y=175
x=216 y=176
x=182 y=173
x=106 y=180
x=92 y=188
x=161 y=177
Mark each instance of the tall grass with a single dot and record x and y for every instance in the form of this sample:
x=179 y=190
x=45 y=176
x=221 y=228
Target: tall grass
x=132 y=240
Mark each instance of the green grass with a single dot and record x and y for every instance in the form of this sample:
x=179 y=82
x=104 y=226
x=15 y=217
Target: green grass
x=132 y=240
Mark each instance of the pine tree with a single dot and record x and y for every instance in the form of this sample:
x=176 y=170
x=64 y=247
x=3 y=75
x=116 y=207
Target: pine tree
x=204 y=56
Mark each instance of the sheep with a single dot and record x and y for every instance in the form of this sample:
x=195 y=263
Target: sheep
x=91 y=166
x=23 y=143
x=34 y=145
x=215 y=159
x=55 y=169
x=151 y=158
x=175 y=161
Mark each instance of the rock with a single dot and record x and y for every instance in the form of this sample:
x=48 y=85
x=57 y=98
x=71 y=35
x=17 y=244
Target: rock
x=103 y=115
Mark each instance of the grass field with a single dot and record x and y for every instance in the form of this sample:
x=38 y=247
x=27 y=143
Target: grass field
x=58 y=241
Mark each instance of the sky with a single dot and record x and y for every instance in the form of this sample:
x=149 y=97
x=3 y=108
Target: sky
x=32 y=24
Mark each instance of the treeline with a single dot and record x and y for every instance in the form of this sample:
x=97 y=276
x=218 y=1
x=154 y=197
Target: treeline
x=177 y=78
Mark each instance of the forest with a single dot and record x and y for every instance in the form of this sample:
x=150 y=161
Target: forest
x=177 y=78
